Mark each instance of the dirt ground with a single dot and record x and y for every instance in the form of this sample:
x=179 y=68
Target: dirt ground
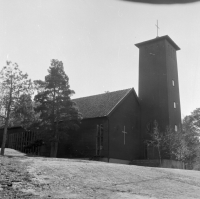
x=70 y=178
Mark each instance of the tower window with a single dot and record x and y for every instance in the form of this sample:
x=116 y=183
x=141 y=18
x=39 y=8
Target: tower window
x=174 y=104
x=173 y=83
x=176 y=128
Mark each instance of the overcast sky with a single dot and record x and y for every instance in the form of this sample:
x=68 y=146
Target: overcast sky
x=95 y=40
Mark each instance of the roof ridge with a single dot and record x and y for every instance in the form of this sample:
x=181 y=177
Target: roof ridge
x=128 y=89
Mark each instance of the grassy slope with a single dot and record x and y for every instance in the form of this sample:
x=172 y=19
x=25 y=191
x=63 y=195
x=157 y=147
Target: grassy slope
x=64 y=178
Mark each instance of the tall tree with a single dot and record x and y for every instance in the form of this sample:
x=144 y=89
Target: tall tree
x=57 y=110
x=14 y=84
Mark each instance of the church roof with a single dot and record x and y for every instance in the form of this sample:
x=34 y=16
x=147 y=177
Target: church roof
x=158 y=39
x=100 y=105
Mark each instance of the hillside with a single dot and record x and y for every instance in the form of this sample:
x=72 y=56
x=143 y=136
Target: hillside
x=37 y=177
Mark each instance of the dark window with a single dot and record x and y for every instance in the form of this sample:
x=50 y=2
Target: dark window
x=99 y=139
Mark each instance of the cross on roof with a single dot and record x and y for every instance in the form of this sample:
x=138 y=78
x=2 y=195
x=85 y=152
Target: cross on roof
x=157 y=28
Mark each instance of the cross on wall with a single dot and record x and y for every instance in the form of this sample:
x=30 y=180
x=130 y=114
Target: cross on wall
x=124 y=132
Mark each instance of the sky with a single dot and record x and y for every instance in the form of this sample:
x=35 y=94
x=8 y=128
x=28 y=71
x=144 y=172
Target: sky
x=95 y=40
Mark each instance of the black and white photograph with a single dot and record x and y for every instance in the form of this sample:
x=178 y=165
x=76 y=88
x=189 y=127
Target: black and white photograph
x=99 y=99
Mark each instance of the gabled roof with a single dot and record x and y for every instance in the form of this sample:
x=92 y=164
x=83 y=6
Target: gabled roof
x=100 y=105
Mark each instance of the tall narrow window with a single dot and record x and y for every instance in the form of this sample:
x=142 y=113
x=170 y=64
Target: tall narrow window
x=99 y=139
x=174 y=104
x=176 y=128
x=172 y=82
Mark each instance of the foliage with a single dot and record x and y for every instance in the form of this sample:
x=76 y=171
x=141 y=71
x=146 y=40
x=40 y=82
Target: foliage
x=183 y=145
x=170 y=144
x=156 y=138
x=57 y=111
x=191 y=128
x=175 y=144
x=23 y=112
x=14 y=84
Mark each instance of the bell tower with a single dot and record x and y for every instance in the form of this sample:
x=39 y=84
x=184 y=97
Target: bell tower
x=158 y=84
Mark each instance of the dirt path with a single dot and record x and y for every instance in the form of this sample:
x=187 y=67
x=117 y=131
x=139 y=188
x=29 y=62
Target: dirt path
x=64 y=178
x=15 y=180
x=61 y=178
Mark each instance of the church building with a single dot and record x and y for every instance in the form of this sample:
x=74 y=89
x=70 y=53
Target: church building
x=114 y=125
x=110 y=129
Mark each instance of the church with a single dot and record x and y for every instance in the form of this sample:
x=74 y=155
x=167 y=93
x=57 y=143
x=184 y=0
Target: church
x=114 y=125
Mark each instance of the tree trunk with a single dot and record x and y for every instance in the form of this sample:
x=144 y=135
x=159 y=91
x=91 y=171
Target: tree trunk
x=3 y=145
x=7 y=120
x=54 y=143
x=5 y=129
x=159 y=156
x=54 y=149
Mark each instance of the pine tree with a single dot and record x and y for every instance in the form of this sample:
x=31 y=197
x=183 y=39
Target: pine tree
x=57 y=110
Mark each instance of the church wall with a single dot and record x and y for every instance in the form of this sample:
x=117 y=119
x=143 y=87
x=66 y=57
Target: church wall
x=127 y=115
x=82 y=143
x=173 y=92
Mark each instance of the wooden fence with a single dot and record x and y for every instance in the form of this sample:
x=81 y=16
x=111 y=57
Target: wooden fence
x=25 y=141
